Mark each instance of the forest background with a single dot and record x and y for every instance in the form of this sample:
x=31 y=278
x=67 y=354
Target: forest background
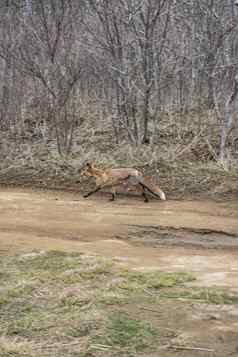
x=146 y=83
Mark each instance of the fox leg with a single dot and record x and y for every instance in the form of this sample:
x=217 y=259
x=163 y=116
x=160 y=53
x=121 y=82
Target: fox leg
x=144 y=195
x=93 y=191
x=99 y=188
x=113 y=192
x=101 y=185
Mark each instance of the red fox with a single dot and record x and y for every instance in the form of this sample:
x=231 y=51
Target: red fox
x=115 y=177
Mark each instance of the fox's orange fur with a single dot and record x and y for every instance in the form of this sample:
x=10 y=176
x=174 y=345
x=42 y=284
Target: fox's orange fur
x=115 y=177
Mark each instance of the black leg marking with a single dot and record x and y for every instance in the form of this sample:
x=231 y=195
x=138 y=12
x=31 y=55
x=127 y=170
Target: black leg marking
x=113 y=197
x=100 y=187
x=147 y=188
x=91 y=192
x=145 y=197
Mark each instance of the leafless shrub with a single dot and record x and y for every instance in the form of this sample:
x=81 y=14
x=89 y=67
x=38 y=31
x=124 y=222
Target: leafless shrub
x=141 y=67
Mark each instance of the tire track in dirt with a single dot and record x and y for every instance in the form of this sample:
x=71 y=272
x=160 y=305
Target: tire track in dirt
x=58 y=220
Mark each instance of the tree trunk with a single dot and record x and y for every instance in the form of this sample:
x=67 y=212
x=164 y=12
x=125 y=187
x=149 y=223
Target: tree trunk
x=230 y=109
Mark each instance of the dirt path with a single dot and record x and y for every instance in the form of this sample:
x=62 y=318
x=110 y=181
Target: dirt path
x=200 y=237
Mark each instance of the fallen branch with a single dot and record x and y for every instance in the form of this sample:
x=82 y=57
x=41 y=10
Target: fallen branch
x=5 y=171
x=190 y=348
x=147 y=309
x=58 y=345
x=147 y=291
x=188 y=147
x=100 y=347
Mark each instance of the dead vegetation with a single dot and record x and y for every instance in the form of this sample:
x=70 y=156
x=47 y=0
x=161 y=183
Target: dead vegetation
x=182 y=156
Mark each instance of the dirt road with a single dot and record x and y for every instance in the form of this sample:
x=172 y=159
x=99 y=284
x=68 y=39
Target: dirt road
x=199 y=237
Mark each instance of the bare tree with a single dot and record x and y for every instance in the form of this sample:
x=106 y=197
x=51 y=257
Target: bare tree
x=132 y=36
x=45 y=51
x=229 y=113
x=129 y=60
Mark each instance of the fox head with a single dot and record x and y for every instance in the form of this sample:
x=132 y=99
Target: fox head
x=88 y=169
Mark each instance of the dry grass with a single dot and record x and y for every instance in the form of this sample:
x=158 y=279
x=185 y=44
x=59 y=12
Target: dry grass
x=16 y=347
x=182 y=156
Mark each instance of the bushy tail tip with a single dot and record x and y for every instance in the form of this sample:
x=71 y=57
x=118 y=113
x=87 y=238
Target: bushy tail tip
x=162 y=196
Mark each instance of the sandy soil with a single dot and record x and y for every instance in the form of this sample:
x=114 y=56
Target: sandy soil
x=194 y=236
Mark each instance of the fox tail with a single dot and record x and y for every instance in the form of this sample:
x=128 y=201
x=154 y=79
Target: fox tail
x=160 y=194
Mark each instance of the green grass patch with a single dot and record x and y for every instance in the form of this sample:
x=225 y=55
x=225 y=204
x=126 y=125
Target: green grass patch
x=135 y=280
x=110 y=297
x=125 y=333
x=53 y=261
x=208 y=296
x=7 y=294
x=52 y=298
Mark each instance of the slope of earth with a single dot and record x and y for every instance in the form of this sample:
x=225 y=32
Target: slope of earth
x=195 y=236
